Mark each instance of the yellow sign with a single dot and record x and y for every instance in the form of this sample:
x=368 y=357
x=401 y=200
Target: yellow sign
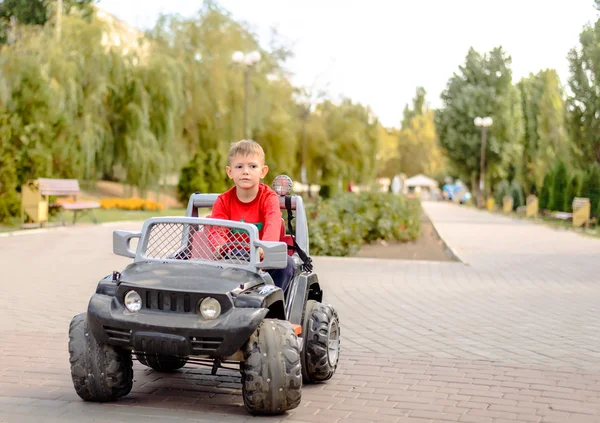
x=490 y=204
x=507 y=204
x=532 y=206
x=33 y=203
x=581 y=212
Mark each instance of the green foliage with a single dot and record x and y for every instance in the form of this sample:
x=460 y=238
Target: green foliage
x=513 y=189
x=482 y=87
x=584 y=103
x=341 y=225
x=560 y=187
x=517 y=194
x=417 y=110
x=36 y=12
x=9 y=201
x=545 y=137
x=591 y=186
x=204 y=173
x=545 y=197
x=501 y=190
x=79 y=108
x=575 y=186
x=418 y=149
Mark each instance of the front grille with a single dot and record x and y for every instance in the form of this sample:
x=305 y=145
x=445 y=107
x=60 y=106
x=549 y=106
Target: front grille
x=117 y=334
x=205 y=345
x=167 y=301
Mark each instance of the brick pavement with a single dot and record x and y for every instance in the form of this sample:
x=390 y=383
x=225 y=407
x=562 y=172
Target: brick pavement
x=505 y=337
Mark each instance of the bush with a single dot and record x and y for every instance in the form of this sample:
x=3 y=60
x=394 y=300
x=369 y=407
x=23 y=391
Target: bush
x=205 y=172
x=9 y=199
x=9 y=205
x=591 y=187
x=546 y=191
x=340 y=226
x=516 y=192
x=574 y=190
x=500 y=190
x=560 y=188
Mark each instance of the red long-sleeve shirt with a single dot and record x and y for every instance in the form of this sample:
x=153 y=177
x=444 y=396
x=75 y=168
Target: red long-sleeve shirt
x=263 y=211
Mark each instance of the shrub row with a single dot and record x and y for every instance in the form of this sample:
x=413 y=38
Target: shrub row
x=341 y=225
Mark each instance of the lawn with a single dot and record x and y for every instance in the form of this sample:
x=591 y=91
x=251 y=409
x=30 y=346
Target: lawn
x=553 y=223
x=112 y=215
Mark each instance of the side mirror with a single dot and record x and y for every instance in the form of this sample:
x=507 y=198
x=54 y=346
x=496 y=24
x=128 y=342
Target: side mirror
x=122 y=243
x=275 y=255
x=282 y=185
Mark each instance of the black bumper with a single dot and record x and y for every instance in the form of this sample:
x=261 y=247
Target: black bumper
x=169 y=333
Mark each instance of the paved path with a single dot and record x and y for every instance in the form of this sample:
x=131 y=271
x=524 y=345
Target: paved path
x=511 y=334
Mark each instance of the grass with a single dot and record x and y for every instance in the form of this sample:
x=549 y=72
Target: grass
x=103 y=216
x=552 y=222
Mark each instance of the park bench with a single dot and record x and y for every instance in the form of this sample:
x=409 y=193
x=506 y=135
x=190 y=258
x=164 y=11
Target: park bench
x=36 y=199
x=562 y=216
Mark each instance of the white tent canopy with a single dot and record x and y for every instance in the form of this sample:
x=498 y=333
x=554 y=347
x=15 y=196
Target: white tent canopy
x=421 y=181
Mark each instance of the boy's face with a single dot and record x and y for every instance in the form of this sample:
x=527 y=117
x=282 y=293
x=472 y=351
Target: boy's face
x=247 y=171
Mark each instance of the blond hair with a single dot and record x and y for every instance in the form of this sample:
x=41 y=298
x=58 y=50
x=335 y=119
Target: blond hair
x=246 y=148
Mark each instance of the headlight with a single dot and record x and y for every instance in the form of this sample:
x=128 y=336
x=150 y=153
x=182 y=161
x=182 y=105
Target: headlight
x=209 y=308
x=133 y=301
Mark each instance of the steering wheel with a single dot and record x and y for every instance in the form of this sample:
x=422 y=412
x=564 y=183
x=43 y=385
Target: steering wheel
x=235 y=251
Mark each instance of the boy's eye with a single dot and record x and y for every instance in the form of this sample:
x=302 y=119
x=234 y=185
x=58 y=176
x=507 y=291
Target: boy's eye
x=254 y=166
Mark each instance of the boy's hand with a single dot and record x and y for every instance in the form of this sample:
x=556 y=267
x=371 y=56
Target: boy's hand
x=261 y=253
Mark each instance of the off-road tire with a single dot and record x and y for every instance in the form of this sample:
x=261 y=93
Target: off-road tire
x=162 y=364
x=271 y=371
x=316 y=366
x=100 y=372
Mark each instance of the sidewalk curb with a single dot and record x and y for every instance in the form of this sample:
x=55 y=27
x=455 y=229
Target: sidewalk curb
x=449 y=250
x=22 y=232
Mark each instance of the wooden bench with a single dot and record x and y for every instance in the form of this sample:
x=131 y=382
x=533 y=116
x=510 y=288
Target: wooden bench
x=34 y=192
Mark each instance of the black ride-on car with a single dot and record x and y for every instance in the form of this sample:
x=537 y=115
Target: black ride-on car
x=183 y=301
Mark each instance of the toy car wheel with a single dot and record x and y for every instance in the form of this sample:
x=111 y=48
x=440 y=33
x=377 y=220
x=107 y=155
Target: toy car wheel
x=271 y=371
x=321 y=353
x=162 y=364
x=99 y=372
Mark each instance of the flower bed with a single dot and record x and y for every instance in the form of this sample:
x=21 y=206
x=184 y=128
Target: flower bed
x=130 y=204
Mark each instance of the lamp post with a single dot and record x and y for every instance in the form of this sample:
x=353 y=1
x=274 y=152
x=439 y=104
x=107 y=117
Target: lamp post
x=247 y=60
x=484 y=124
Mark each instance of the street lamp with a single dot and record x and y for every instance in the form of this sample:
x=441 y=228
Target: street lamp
x=247 y=60
x=484 y=124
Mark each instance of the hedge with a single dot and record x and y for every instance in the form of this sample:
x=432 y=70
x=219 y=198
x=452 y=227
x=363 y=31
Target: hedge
x=341 y=225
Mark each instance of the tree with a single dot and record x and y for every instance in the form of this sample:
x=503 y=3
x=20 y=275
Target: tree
x=35 y=12
x=560 y=187
x=418 y=109
x=575 y=186
x=482 y=87
x=389 y=153
x=418 y=148
x=79 y=108
x=584 y=103
x=545 y=136
x=546 y=192
x=591 y=186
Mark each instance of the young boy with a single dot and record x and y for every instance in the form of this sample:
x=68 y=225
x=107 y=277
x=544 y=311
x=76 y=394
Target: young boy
x=251 y=201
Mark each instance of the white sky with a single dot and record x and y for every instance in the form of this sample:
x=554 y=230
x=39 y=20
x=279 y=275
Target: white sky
x=378 y=51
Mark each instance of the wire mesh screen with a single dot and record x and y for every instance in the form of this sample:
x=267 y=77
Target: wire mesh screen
x=184 y=241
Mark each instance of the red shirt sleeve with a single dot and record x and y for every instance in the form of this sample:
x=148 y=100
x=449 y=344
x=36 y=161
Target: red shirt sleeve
x=217 y=235
x=272 y=216
x=220 y=209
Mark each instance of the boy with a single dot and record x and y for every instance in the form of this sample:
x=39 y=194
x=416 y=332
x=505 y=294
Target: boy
x=251 y=201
